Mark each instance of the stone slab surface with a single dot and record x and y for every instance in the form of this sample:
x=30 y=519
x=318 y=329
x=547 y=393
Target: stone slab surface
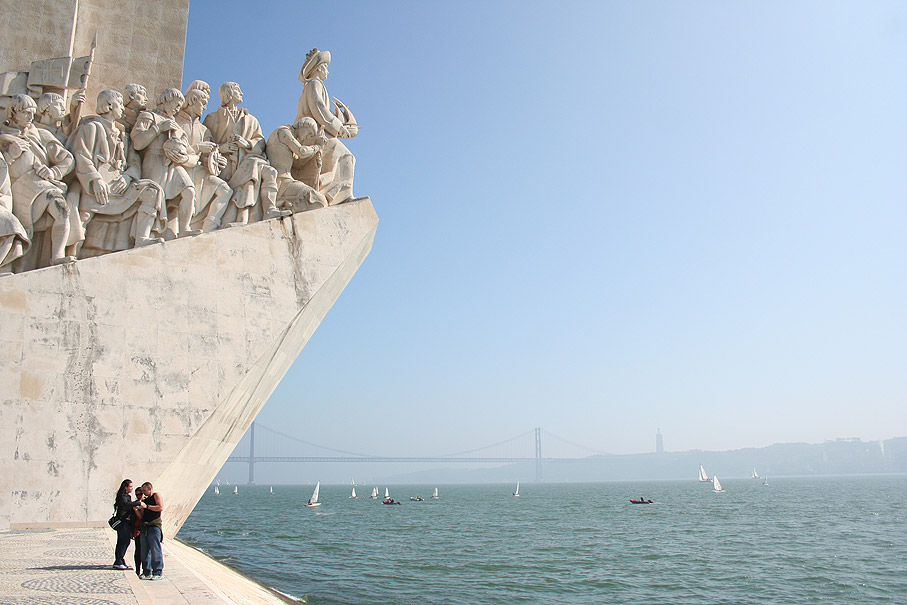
x=138 y=41
x=73 y=567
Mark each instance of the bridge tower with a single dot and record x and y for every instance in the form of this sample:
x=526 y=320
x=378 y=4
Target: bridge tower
x=538 y=454
x=252 y=454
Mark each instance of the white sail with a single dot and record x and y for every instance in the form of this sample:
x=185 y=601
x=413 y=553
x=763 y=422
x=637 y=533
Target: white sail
x=272 y=490
x=353 y=495
x=435 y=495
x=516 y=492
x=374 y=493
x=313 y=501
x=716 y=484
x=386 y=494
x=755 y=474
x=235 y=490
x=216 y=491
x=703 y=476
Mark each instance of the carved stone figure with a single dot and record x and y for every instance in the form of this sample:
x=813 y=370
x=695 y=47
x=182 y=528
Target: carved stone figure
x=239 y=137
x=13 y=239
x=53 y=117
x=212 y=193
x=110 y=186
x=164 y=154
x=297 y=149
x=339 y=164
x=136 y=99
x=37 y=164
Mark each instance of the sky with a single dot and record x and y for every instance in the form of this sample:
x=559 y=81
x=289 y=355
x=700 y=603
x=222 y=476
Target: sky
x=599 y=218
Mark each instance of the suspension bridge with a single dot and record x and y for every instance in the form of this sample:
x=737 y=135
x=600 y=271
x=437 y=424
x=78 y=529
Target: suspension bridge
x=524 y=448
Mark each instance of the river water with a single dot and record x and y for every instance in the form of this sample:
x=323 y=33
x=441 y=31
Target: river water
x=797 y=539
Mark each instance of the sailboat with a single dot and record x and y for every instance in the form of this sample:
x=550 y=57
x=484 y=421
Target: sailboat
x=516 y=494
x=272 y=490
x=755 y=474
x=765 y=480
x=313 y=501
x=374 y=495
x=716 y=484
x=387 y=494
x=435 y=495
x=353 y=495
x=703 y=476
x=216 y=491
x=235 y=490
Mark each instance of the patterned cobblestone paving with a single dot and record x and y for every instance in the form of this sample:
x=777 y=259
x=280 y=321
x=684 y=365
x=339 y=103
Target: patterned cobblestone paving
x=60 y=567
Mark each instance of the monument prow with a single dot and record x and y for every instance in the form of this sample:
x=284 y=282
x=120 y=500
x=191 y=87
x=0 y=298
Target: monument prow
x=160 y=268
x=151 y=363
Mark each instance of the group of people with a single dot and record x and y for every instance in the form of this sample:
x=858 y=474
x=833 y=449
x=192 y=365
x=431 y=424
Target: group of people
x=74 y=186
x=139 y=521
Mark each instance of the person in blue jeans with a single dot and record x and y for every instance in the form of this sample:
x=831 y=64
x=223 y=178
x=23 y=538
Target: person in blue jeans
x=152 y=534
x=123 y=506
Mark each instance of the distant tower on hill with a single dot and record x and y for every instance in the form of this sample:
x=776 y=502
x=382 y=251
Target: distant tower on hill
x=659 y=444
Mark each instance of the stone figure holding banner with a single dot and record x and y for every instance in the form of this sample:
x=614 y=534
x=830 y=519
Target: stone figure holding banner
x=130 y=210
x=37 y=164
x=53 y=117
x=336 y=179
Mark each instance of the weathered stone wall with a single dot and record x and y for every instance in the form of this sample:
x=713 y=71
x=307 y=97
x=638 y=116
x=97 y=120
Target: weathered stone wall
x=139 y=41
x=151 y=363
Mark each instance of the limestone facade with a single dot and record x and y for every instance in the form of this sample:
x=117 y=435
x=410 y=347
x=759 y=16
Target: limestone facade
x=138 y=40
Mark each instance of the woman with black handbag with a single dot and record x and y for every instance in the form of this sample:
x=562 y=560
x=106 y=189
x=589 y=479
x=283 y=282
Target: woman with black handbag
x=121 y=522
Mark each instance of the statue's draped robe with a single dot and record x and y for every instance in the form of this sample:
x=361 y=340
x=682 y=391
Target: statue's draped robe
x=336 y=179
x=194 y=132
x=173 y=178
x=246 y=164
x=26 y=185
x=295 y=193
x=103 y=151
x=13 y=239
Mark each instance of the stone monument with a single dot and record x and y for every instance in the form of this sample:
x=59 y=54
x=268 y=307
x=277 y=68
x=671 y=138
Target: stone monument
x=159 y=272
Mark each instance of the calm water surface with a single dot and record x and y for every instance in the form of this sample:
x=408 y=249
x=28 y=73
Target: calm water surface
x=804 y=540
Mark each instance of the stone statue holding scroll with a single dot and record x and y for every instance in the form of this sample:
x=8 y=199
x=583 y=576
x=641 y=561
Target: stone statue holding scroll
x=239 y=138
x=297 y=148
x=130 y=210
x=339 y=164
x=37 y=164
x=164 y=155
x=212 y=193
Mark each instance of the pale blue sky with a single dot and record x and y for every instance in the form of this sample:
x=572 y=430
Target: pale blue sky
x=600 y=218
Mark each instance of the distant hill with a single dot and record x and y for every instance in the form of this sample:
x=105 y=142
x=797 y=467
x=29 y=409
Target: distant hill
x=839 y=457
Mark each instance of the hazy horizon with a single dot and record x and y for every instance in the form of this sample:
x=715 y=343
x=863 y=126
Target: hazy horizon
x=600 y=220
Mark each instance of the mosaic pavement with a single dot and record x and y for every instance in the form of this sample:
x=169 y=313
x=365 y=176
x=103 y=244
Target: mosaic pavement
x=60 y=567
x=73 y=567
